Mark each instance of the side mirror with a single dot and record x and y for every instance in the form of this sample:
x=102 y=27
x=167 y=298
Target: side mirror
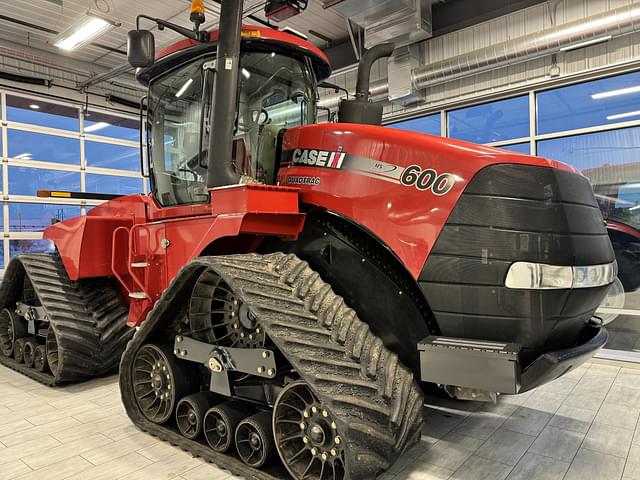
x=141 y=48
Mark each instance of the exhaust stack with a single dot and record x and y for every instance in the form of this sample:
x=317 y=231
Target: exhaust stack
x=361 y=110
x=221 y=171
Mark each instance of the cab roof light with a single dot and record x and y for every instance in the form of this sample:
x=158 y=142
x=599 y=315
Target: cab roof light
x=280 y=10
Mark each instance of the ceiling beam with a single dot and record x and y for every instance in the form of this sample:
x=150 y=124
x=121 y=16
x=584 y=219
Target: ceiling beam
x=58 y=62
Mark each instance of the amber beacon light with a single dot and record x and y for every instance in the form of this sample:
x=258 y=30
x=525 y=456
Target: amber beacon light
x=197 y=12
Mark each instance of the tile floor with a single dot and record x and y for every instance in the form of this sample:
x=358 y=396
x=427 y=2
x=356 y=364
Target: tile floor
x=583 y=426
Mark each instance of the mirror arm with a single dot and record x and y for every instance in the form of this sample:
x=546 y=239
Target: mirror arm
x=198 y=35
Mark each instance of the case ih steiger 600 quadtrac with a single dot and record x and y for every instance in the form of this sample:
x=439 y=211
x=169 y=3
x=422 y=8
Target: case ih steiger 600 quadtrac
x=291 y=280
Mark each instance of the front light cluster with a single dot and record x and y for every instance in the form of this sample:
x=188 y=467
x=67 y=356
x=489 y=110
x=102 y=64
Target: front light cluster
x=540 y=276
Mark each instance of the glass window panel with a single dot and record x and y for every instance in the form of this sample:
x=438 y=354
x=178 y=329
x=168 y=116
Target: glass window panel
x=97 y=183
x=572 y=107
x=48 y=148
x=491 y=122
x=611 y=160
x=35 y=217
x=38 y=112
x=518 y=147
x=1 y=254
x=429 y=124
x=16 y=247
x=26 y=181
x=105 y=155
x=96 y=123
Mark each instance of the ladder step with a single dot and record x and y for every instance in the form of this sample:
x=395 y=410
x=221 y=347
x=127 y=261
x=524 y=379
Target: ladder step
x=138 y=295
x=139 y=265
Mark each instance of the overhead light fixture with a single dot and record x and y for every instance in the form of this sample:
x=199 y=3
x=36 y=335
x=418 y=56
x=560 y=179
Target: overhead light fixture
x=618 y=116
x=86 y=28
x=33 y=106
x=96 y=126
x=184 y=87
x=246 y=74
x=587 y=43
x=616 y=93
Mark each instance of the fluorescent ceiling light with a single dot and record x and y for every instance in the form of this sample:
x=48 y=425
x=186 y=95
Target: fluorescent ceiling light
x=615 y=93
x=245 y=73
x=184 y=88
x=593 y=41
x=97 y=126
x=33 y=106
x=24 y=156
x=82 y=31
x=623 y=115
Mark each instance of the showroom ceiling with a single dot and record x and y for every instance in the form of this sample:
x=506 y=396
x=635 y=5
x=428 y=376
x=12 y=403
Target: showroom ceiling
x=28 y=29
x=34 y=23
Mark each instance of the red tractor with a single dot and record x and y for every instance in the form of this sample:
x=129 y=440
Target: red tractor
x=291 y=281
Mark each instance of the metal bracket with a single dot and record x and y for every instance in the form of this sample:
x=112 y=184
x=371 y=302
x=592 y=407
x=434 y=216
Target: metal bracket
x=31 y=315
x=210 y=65
x=222 y=360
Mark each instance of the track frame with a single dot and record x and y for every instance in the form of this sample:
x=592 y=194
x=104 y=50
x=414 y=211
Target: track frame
x=313 y=309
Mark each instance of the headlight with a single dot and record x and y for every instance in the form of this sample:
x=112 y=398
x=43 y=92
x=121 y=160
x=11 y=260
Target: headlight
x=539 y=276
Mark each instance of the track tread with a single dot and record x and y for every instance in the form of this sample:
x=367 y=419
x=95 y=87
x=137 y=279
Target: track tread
x=90 y=325
x=369 y=387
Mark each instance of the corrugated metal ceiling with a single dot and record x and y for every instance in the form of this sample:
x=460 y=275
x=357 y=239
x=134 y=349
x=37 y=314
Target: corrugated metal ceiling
x=56 y=15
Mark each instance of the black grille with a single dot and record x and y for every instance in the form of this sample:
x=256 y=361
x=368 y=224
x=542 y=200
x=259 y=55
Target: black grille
x=512 y=213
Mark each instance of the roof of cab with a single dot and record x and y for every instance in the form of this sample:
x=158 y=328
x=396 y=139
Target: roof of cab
x=250 y=32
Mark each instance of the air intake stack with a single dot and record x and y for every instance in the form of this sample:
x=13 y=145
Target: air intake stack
x=360 y=109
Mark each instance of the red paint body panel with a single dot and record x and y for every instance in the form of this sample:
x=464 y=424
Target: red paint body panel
x=623 y=228
x=84 y=244
x=115 y=238
x=265 y=33
x=406 y=219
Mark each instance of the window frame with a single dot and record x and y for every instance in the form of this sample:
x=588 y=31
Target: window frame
x=81 y=168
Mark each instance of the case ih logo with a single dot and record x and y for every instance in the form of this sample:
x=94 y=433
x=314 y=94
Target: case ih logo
x=318 y=158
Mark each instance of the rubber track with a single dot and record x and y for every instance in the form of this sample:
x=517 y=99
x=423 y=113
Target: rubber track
x=374 y=398
x=88 y=318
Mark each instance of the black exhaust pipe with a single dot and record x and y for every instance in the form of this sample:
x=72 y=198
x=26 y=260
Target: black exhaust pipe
x=221 y=170
x=361 y=110
x=364 y=67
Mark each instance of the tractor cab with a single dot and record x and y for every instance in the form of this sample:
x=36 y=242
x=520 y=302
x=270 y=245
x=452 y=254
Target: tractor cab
x=276 y=90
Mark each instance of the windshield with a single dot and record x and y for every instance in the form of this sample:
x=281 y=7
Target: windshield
x=276 y=92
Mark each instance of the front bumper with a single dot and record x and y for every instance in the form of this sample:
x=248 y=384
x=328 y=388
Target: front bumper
x=551 y=365
x=497 y=367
